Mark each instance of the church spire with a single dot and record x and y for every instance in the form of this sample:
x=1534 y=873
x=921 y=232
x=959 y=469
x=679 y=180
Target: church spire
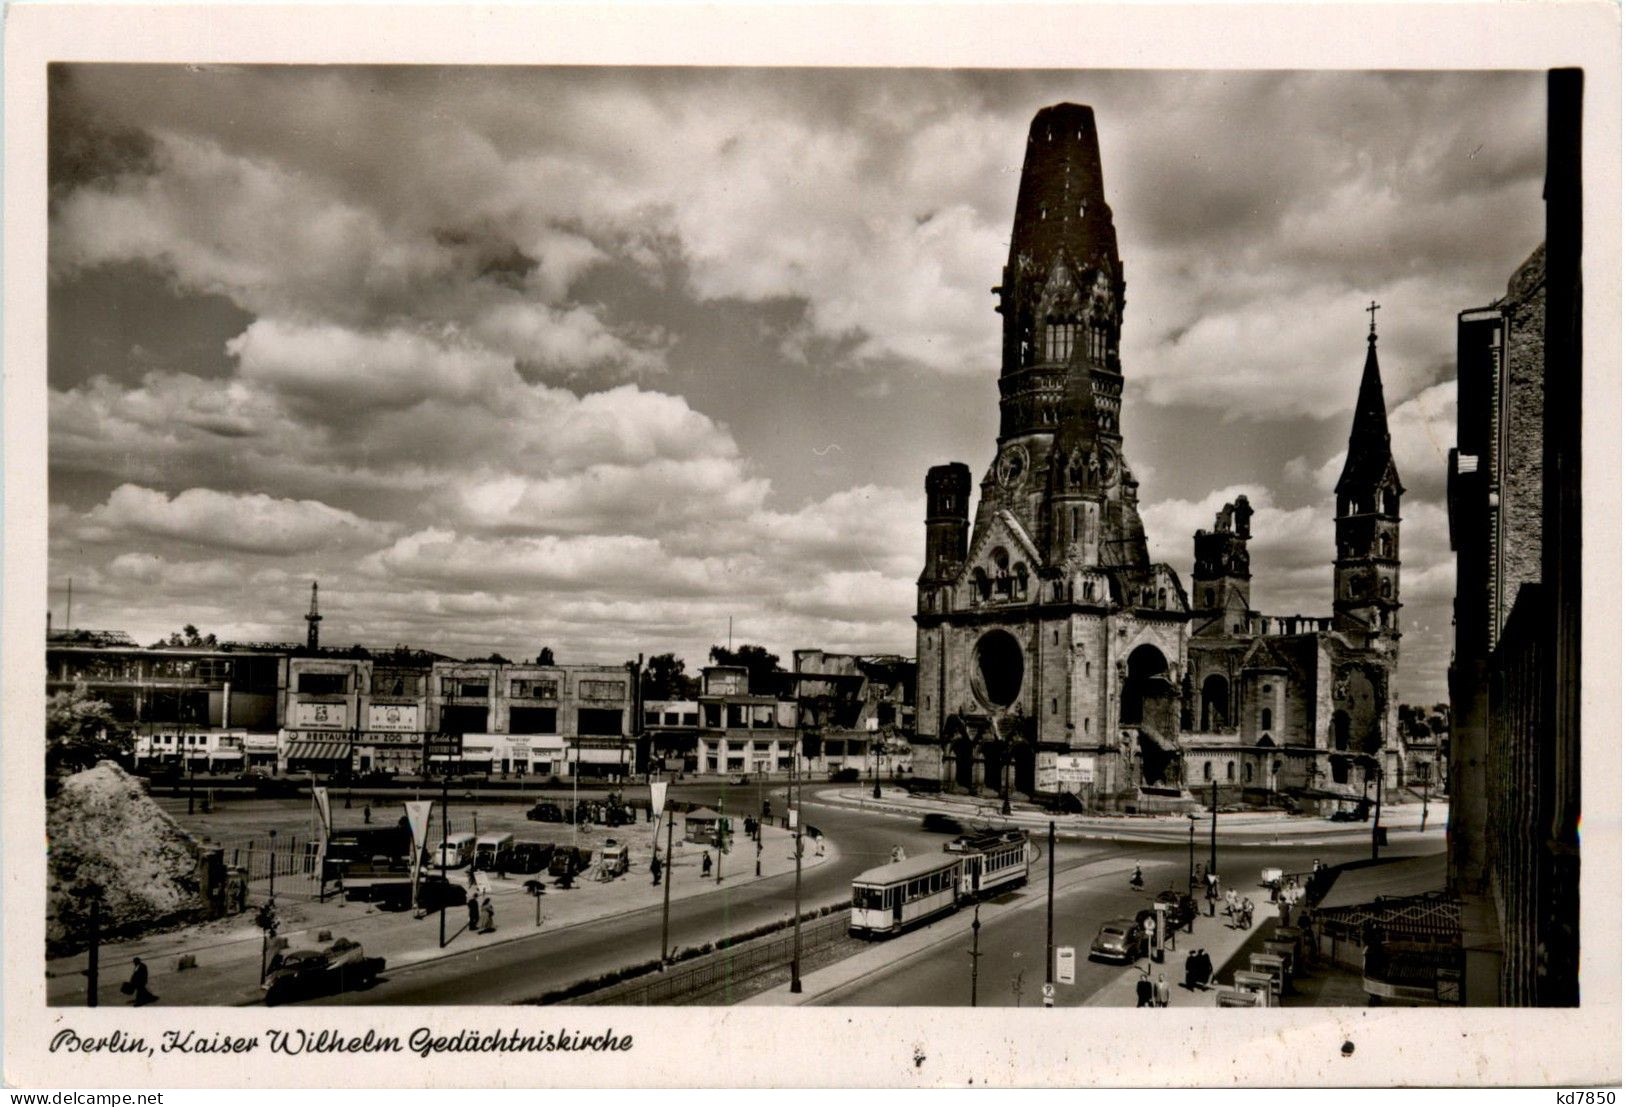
x=1370 y=453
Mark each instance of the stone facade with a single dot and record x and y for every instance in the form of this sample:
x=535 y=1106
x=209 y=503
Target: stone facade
x=1053 y=654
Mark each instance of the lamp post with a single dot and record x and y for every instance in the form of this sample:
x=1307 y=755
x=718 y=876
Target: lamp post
x=1049 y=922
x=795 y=822
x=975 y=948
x=272 y=852
x=445 y=807
x=1213 y=833
x=1376 y=819
x=1423 y=769
x=1190 y=869
x=1004 y=778
x=877 y=765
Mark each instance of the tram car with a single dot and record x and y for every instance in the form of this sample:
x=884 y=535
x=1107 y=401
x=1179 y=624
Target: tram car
x=889 y=899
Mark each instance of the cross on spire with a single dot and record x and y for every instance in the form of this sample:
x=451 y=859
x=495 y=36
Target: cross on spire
x=1372 y=310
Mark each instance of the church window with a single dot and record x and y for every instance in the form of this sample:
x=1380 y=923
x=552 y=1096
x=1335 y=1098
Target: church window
x=1265 y=718
x=1086 y=726
x=1058 y=340
x=1086 y=667
x=1055 y=637
x=1207 y=770
x=1390 y=502
x=1054 y=706
x=1230 y=771
x=1247 y=774
x=1162 y=597
x=1266 y=689
x=1387 y=589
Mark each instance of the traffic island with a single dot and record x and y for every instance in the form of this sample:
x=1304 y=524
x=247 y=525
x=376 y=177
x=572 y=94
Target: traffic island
x=228 y=954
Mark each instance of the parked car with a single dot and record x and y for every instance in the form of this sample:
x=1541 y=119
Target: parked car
x=942 y=824
x=530 y=857
x=845 y=776
x=567 y=861
x=304 y=973
x=1182 y=907
x=545 y=812
x=1118 y=940
x=435 y=892
x=1345 y=815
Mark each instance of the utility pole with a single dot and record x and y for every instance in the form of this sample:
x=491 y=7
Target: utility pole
x=1425 y=775
x=445 y=805
x=795 y=819
x=1190 y=867
x=1049 y=919
x=665 y=909
x=1213 y=833
x=975 y=948
x=1376 y=820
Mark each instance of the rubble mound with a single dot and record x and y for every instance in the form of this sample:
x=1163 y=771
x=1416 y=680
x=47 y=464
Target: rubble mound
x=105 y=834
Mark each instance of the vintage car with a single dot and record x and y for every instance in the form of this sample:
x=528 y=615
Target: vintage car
x=1182 y=907
x=545 y=812
x=942 y=824
x=1118 y=940
x=305 y=973
x=530 y=857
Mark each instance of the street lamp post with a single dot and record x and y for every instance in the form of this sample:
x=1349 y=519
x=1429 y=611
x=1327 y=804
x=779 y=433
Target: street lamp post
x=1423 y=769
x=1376 y=819
x=1004 y=779
x=1190 y=868
x=795 y=819
x=272 y=852
x=445 y=808
x=1213 y=833
x=1049 y=922
x=975 y=948
x=877 y=767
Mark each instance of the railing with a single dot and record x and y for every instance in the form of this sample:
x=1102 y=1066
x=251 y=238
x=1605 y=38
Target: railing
x=723 y=968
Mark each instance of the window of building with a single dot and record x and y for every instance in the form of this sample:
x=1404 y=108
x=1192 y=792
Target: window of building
x=1266 y=719
x=691 y=718
x=1054 y=706
x=651 y=718
x=713 y=716
x=1207 y=770
x=761 y=714
x=1247 y=774
x=1230 y=771
x=534 y=689
x=463 y=720
x=602 y=689
x=533 y=720
x=324 y=684
x=599 y=721
x=738 y=715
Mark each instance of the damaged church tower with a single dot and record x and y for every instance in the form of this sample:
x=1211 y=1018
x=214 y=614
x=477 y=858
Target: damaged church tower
x=1049 y=645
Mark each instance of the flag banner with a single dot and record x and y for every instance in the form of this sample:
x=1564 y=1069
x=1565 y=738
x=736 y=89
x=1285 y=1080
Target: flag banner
x=657 y=795
x=417 y=817
x=324 y=813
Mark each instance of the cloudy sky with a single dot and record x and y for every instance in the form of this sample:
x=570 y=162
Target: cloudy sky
x=600 y=358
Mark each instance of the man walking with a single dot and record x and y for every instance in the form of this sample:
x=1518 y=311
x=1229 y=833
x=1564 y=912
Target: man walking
x=1162 y=990
x=1143 y=991
x=473 y=911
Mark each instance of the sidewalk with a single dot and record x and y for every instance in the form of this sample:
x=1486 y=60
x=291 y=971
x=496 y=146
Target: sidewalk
x=228 y=951
x=1401 y=819
x=1216 y=935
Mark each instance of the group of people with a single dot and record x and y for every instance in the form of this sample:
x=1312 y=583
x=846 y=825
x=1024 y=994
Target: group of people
x=1148 y=994
x=1238 y=909
x=482 y=917
x=1198 y=969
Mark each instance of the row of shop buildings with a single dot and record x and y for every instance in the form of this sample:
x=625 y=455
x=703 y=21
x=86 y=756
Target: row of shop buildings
x=278 y=709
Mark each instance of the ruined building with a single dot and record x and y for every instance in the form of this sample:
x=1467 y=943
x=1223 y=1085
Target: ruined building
x=1054 y=655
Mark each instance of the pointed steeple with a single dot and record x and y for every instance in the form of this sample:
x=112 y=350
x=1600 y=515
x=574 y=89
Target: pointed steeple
x=1370 y=453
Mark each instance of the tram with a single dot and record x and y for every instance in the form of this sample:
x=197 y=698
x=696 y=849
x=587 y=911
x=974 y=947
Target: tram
x=889 y=899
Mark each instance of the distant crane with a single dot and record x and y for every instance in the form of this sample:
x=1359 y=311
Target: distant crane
x=313 y=635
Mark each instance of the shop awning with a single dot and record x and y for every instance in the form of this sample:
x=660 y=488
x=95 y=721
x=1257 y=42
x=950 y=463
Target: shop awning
x=318 y=751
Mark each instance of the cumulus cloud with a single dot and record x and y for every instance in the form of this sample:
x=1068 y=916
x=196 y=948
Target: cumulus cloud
x=252 y=523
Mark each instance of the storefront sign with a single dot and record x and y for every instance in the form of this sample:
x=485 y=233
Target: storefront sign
x=373 y=738
x=1066 y=961
x=321 y=716
x=393 y=717
x=444 y=745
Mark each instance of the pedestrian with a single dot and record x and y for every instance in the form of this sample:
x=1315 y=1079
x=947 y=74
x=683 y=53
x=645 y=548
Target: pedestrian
x=705 y=864
x=137 y=985
x=366 y=813
x=1162 y=990
x=1286 y=912
x=1138 y=879
x=1143 y=991
x=488 y=915
x=654 y=868
x=1204 y=968
x=473 y=912
x=1190 y=971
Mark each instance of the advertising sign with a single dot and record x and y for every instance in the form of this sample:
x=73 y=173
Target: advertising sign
x=321 y=716
x=417 y=817
x=1075 y=768
x=1066 y=962
x=392 y=717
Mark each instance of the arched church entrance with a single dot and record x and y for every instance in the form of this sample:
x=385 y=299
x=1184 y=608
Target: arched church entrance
x=1215 y=703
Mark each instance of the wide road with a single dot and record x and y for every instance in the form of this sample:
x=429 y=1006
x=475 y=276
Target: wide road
x=529 y=967
x=1011 y=946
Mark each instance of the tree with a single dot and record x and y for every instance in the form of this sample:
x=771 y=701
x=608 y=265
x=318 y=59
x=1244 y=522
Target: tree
x=763 y=666
x=187 y=636
x=664 y=679
x=80 y=730
x=498 y=659
x=545 y=657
